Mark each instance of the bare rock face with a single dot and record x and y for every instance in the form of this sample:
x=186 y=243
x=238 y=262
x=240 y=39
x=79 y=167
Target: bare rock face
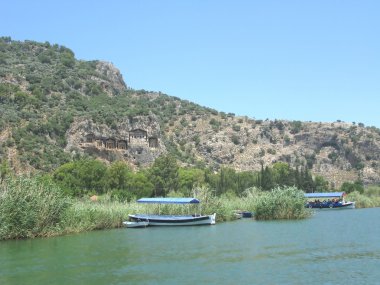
x=337 y=151
x=112 y=80
x=135 y=140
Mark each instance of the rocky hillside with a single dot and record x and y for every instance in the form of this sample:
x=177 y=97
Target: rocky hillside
x=55 y=108
x=338 y=151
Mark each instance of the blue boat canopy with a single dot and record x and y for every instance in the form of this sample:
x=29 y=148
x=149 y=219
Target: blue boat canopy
x=325 y=195
x=169 y=200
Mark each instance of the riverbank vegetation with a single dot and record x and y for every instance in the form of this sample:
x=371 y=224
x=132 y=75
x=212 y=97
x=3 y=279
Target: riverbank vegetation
x=35 y=207
x=59 y=203
x=368 y=198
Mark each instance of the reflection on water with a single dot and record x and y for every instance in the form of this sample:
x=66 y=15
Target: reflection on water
x=332 y=247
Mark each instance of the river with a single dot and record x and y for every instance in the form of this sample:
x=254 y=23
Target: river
x=332 y=247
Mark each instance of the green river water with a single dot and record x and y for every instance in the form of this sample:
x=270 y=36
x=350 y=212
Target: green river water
x=332 y=247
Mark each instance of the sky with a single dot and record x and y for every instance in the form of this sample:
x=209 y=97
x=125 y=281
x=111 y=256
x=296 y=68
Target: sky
x=316 y=60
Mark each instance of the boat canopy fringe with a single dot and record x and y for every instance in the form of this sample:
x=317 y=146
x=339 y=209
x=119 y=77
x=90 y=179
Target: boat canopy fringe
x=325 y=195
x=169 y=200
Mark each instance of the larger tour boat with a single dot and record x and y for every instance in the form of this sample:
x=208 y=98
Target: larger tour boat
x=332 y=200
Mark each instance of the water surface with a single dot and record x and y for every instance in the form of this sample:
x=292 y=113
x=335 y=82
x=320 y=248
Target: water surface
x=332 y=247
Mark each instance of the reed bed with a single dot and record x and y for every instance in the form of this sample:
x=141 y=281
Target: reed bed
x=88 y=216
x=30 y=207
x=281 y=203
x=369 y=199
x=34 y=207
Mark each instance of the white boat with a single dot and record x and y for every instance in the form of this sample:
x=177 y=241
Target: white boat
x=172 y=220
x=138 y=224
x=238 y=214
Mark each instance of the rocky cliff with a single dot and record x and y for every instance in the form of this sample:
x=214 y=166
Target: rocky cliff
x=135 y=140
x=338 y=151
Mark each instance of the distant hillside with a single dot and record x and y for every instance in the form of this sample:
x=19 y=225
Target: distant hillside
x=55 y=108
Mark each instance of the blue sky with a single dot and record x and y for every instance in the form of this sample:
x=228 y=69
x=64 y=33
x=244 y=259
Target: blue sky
x=278 y=59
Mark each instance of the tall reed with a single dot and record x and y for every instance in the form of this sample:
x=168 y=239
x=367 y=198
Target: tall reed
x=281 y=203
x=30 y=207
x=86 y=215
x=370 y=198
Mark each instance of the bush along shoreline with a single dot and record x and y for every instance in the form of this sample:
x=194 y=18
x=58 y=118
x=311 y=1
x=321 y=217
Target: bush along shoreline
x=282 y=203
x=36 y=207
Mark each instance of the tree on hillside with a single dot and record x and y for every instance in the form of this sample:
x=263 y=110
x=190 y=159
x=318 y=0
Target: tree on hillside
x=190 y=178
x=138 y=185
x=349 y=187
x=67 y=177
x=321 y=185
x=92 y=173
x=266 y=178
x=307 y=183
x=227 y=181
x=282 y=174
x=117 y=175
x=245 y=180
x=164 y=175
x=82 y=177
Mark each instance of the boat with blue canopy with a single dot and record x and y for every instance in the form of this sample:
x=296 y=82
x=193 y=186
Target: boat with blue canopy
x=328 y=200
x=171 y=220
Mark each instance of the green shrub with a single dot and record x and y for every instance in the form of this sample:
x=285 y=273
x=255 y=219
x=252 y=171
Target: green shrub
x=295 y=127
x=235 y=139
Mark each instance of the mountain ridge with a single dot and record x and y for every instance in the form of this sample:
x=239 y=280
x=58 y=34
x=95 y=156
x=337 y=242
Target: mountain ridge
x=53 y=103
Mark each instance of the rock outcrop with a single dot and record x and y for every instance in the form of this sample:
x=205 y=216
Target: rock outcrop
x=337 y=151
x=135 y=140
x=112 y=81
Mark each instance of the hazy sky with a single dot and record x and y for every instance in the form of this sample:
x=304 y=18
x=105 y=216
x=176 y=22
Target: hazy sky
x=297 y=60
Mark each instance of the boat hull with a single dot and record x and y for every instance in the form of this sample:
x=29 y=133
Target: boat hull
x=247 y=214
x=139 y=224
x=242 y=214
x=167 y=220
x=346 y=205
